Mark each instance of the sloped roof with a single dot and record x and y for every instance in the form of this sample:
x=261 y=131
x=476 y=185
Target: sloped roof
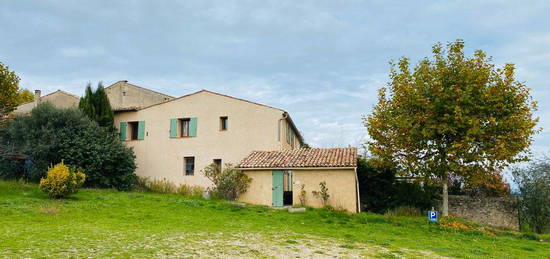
x=301 y=158
x=207 y=91
x=125 y=82
x=52 y=93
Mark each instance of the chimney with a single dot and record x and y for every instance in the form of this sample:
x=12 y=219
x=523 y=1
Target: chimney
x=37 y=97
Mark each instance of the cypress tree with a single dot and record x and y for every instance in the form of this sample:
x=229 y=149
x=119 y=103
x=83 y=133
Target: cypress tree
x=86 y=104
x=103 y=107
x=95 y=104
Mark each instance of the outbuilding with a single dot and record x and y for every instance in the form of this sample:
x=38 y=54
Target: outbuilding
x=294 y=178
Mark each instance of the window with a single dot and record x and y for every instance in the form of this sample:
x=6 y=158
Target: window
x=133 y=130
x=288 y=133
x=218 y=163
x=189 y=165
x=224 y=123
x=184 y=127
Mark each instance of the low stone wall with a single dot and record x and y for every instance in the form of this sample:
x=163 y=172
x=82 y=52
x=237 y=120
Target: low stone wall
x=495 y=212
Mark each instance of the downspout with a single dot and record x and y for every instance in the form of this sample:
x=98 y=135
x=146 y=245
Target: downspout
x=357 y=191
x=279 y=126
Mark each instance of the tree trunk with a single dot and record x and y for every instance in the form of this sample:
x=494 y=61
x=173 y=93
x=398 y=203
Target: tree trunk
x=445 y=205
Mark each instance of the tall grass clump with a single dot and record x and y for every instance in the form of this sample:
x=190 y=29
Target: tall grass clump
x=404 y=211
x=144 y=184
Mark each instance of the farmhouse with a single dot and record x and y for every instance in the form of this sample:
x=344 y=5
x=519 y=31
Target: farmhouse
x=175 y=138
x=59 y=98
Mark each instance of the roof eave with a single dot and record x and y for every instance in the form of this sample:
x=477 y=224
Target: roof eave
x=294 y=168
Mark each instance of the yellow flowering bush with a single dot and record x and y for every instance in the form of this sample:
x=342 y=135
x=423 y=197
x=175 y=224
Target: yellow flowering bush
x=62 y=181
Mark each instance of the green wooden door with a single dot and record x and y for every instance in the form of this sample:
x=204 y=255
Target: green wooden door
x=277 y=188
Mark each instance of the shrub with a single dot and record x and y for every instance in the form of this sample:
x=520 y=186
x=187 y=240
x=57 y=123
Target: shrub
x=414 y=194
x=376 y=185
x=323 y=193
x=51 y=134
x=533 y=199
x=188 y=190
x=228 y=183
x=530 y=236
x=380 y=191
x=303 y=195
x=62 y=181
x=161 y=186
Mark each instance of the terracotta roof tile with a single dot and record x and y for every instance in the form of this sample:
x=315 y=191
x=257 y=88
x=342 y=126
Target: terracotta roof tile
x=303 y=157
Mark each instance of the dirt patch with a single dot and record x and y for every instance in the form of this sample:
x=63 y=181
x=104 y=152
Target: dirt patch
x=290 y=245
x=218 y=245
x=52 y=209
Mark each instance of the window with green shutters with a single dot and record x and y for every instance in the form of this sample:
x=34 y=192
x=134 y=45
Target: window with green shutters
x=136 y=130
x=183 y=127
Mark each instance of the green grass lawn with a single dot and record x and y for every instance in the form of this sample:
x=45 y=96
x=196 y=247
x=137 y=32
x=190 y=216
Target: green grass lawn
x=107 y=223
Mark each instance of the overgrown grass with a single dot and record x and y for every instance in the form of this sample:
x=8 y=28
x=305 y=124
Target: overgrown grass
x=108 y=223
x=405 y=211
x=144 y=184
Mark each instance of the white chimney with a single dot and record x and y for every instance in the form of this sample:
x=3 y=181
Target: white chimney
x=37 y=97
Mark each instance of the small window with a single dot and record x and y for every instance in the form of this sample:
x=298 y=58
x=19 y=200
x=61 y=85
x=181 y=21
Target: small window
x=224 y=123
x=288 y=133
x=123 y=93
x=184 y=127
x=133 y=130
x=189 y=165
x=218 y=163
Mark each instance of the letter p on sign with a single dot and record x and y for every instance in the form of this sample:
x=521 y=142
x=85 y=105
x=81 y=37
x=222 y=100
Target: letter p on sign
x=432 y=216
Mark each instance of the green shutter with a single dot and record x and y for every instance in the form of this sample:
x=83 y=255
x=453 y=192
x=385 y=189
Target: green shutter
x=173 y=128
x=141 y=130
x=123 y=131
x=193 y=127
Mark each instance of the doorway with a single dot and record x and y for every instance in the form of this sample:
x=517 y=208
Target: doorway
x=287 y=188
x=282 y=188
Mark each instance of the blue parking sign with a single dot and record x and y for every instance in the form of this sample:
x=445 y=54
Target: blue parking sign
x=432 y=216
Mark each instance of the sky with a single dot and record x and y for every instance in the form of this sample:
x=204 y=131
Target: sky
x=322 y=61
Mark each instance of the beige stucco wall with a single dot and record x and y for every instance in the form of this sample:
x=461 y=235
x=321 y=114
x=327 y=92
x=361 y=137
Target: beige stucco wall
x=341 y=184
x=136 y=97
x=58 y=99
x=251 y=127
x=260 y=191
